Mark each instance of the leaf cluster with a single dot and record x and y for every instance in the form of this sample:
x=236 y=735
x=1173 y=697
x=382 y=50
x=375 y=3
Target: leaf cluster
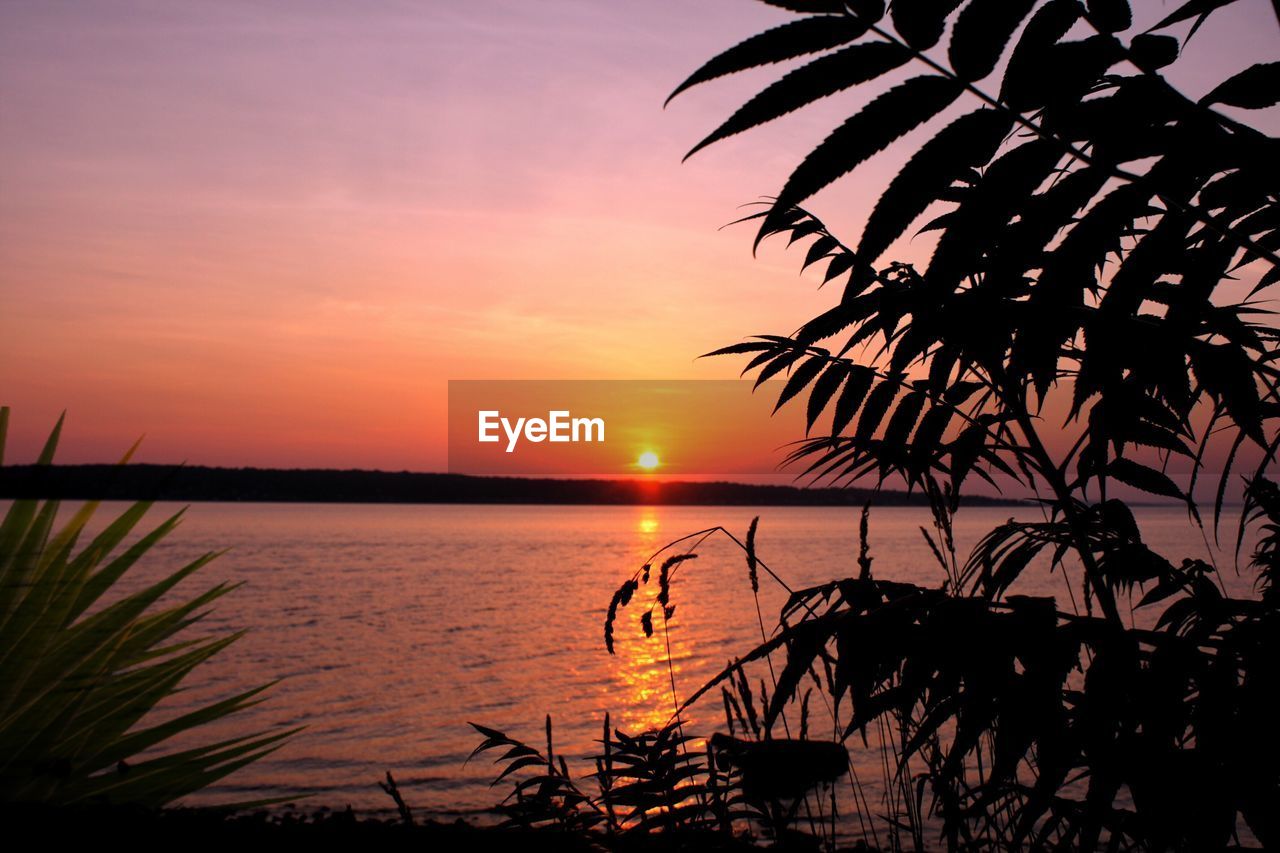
x=1027 y=724
x=1086 y=215
x=83 y=669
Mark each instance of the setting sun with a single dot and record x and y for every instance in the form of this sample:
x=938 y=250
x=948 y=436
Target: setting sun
x=648 y=460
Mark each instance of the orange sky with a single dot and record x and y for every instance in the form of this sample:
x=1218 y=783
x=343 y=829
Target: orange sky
x=269 y=233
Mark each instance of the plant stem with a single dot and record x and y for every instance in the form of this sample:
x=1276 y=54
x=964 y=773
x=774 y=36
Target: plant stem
x=1064 y=499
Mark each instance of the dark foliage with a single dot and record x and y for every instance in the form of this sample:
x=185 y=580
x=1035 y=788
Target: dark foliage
x=1101 y=239
x=657 y=784
x=1087 y=215
x=1064 y=712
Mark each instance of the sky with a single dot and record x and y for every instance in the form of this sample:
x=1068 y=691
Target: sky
x=268 y=233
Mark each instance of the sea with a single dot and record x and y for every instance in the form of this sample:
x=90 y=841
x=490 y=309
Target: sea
x=387 y=630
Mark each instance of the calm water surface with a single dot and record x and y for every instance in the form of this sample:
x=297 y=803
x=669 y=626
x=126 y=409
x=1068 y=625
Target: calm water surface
x=390 y=627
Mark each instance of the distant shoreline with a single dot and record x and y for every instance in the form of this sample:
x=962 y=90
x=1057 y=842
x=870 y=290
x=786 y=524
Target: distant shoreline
x=270 y=485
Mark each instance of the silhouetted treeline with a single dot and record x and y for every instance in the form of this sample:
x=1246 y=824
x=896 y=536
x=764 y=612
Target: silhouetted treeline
x=197 y=483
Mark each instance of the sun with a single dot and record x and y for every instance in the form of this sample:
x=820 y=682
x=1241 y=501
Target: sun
x=648 y=460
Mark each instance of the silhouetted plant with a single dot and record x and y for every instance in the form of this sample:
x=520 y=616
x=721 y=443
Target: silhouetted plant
x=1087 y=215
x=644 y=782
x=82 y=671
x=547 y=798
x=653 y=783
x=1024 y=722
x=1043 y=190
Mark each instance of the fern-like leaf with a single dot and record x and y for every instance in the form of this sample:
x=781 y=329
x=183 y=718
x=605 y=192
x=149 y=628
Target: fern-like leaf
x=921 y=22
x=818 y=79
x=980 y=34
x=788 y=41
x=1254 y=88
x=967 y=142
x=897 y=111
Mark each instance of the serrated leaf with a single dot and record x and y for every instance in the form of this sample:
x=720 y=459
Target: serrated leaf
x=965 y=450
x=1270 y=277
x=788 y=41
x=1227 y=374
x=808 y=6
x=799 y=379
x=777 y=365
x=877 y=405
x=930 y=431
x=822 y=392
x=818 y=250
x=921 y=22
x=818 y=79
x=765 y=356
x=980 y=34
x=1192 y=9
x=969 y=141
x=851 y=397
x=868 y=132
x=904 y=418
x=979 y=222
x=1143 y=477
x=1029 y=67
x=1254 y=88
x=738 y=349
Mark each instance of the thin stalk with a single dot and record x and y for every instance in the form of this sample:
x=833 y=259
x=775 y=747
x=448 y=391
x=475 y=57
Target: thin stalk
x=1065 y=500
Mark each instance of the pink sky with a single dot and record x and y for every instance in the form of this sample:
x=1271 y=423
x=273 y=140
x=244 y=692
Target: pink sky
x=268 y=233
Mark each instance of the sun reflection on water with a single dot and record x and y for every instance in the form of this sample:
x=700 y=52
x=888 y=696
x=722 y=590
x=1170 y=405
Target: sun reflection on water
x=647 y=521
x=642 y=680
x=639 y=687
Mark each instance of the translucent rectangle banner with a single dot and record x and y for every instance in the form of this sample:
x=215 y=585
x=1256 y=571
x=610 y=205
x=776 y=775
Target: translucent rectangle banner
x=619 y=428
